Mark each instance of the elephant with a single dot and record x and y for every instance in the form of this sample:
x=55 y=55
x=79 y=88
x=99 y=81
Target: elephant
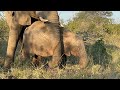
x=18 y=21
x=39 y=41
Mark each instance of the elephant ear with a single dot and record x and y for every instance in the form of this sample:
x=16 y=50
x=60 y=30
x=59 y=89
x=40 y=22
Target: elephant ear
x=23 y=18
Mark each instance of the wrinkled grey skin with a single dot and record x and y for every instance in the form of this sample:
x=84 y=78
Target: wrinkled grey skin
x=42 y=16
x=39 y=40
x=17 y=22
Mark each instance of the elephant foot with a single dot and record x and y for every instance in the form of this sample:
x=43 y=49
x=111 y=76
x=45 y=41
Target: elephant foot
x=83 y=64
x=52 y=64
x=61 y=67
x=6 y=69
x=45 y=67
x=35 y=63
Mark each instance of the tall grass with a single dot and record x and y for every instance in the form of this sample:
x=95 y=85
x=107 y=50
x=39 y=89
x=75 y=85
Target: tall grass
x=104 y=63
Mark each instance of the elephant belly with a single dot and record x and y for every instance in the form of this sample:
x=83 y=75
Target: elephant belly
x=42 y=47
x=42 y=51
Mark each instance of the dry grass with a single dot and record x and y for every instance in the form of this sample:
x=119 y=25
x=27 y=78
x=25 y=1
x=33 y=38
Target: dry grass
x=112 y=71
x=70 y=72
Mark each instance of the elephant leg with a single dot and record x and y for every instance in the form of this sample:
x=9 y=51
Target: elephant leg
x=36 y=60
x=59 y=56
x=56 y=57
x=83 y=56
x=11 y=48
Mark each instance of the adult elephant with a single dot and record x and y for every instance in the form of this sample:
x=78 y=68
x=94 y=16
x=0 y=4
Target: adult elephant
x=39 y=41
x=18 y=21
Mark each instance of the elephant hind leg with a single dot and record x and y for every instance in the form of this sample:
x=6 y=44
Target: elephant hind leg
x=35 y=61
x=83 y=56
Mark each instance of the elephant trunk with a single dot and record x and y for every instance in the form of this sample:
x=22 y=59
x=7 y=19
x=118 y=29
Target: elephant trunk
x=59 y=52
x=53 y=17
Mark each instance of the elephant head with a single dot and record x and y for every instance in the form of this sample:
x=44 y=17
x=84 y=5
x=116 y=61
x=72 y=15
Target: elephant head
x=51 y=16
x=20 y=17
x=17 y=22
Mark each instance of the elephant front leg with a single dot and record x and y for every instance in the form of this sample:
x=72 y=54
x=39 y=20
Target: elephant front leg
x=56 y=57
x=59 y=58
x=12 y=44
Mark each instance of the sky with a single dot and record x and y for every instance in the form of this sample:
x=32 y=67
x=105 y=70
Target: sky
x=66 y=15
x=116 y=16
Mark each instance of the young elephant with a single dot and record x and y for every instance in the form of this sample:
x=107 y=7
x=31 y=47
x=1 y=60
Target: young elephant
x=38 y=40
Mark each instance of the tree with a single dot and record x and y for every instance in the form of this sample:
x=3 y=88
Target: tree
x=90 y=24
x=3 y=35
x=3 y=26
x=89 y=21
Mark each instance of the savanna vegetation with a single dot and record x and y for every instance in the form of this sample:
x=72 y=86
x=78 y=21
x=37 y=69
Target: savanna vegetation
x=101 y=37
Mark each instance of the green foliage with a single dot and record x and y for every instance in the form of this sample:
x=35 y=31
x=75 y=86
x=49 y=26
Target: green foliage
x=100 y=54
x=3 y=36
x=3 y=28
x=112 y=28
x=89 y=21
x=98 y=13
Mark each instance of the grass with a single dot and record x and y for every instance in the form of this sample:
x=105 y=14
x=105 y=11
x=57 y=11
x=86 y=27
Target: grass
x=111 y=50
x=70 y=72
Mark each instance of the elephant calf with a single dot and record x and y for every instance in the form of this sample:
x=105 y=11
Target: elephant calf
x=39 y=40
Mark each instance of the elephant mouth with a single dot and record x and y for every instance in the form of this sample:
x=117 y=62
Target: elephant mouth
x=33 y=20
